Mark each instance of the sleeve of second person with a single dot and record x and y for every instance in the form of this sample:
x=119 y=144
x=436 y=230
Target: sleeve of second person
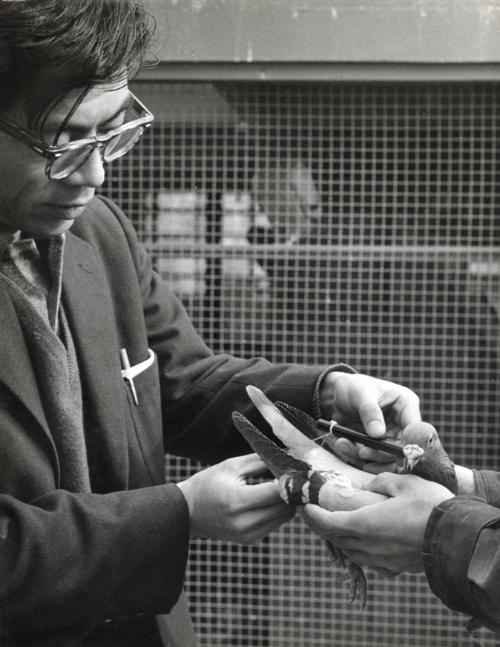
x=461 y=556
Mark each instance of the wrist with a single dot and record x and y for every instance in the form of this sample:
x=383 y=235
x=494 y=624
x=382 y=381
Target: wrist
x=186 y=490
x=327 y=394
x=465 y=480
x=327 y=386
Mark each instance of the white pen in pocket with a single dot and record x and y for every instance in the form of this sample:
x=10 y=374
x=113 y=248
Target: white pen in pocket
x=129 y=372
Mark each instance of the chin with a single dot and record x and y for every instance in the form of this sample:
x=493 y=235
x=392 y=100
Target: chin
x=48 y=230
x=51 y=224
x=57 y=231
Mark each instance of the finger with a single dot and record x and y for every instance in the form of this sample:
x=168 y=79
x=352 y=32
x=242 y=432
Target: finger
x=346 y=447
x=262 y=495
x=375 y=455
x=329 y=524
x=380 y=468
x=392 y=429
x=247 y=465
x=347 y=451
x=410 y=408
x=318 y=516
x=273 y=513
x=258 y=532
x=249 y=520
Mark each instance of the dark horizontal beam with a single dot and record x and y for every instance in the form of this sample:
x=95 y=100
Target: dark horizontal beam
x=483 y=259
x=322 y=72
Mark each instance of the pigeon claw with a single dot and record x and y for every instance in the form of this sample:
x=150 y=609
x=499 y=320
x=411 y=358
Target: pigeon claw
x=359 y=585
x=352 y=572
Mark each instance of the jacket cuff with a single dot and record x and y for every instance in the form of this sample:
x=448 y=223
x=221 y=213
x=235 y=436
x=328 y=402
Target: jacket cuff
x=487 y=486
x=449 y=543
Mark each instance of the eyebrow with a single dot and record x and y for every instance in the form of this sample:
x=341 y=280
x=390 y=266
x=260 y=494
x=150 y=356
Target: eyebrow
x=83 y=128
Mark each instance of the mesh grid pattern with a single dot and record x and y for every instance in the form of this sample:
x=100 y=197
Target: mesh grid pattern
x=321 y=223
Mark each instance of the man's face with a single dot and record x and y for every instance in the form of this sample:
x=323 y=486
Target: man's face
x=29 y=200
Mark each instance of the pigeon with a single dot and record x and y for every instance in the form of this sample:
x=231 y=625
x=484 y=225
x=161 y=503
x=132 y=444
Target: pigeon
x=426 y=457
x=307 y=473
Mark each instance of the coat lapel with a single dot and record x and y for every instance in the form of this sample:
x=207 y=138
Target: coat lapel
x=88 y=307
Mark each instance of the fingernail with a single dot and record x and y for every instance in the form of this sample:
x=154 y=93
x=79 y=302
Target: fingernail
x=365 y=452
x=376 y=428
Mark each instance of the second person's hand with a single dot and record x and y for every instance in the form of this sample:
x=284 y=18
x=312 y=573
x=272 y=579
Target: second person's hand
x=382 y=408
x=223 y=505
x=385 y=536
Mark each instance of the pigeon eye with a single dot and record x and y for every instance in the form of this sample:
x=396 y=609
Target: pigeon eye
x=430 y=441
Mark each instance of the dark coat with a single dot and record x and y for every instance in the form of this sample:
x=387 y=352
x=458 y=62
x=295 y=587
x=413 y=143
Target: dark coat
x=462 y=552
x=70 y=561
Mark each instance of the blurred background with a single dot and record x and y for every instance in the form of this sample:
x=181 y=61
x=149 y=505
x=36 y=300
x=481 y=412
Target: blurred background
x=321 y=185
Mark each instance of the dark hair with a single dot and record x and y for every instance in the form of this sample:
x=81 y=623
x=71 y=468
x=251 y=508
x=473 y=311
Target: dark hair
x=83 y=41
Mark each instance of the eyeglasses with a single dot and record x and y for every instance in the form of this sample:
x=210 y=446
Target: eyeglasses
x=67 y=158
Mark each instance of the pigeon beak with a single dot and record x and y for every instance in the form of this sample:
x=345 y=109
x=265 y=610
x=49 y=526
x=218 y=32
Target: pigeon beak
x=413 y=453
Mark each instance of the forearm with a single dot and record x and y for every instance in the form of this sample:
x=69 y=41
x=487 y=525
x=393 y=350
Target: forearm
x=70 y=561
x=200 y=423
x=200 y=390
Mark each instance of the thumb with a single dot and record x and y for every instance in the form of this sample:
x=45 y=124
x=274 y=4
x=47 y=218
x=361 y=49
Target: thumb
x=323 y=521
x=386 y=483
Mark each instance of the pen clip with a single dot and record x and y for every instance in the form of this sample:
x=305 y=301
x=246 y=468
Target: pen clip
x=128 y=375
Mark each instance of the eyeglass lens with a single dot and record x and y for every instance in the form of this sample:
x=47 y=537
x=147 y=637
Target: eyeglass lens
x=121 y=144
x=116 y=147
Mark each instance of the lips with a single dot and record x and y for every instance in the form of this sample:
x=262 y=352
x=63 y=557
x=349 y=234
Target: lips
x=70 y=211
x=67 y=206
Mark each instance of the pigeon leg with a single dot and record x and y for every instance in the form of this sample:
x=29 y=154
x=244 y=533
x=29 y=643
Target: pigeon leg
x=353 y=572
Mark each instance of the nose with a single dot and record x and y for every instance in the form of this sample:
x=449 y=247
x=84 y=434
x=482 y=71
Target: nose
x=91 y=173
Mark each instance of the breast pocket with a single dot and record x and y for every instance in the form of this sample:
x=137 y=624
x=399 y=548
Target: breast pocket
x=142 y=383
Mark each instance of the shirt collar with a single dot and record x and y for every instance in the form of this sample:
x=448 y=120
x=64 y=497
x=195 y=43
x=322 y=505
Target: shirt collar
x=14 y=243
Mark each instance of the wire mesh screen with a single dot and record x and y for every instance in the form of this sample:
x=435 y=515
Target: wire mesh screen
x=319 y=223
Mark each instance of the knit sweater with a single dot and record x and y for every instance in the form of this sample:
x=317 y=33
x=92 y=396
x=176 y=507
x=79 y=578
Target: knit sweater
x=33 y=277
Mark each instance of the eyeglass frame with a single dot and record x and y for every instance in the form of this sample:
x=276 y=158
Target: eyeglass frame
x=52 y=153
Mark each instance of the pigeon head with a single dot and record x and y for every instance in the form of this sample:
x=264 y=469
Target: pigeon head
x=418 y=438
x=426 y=456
